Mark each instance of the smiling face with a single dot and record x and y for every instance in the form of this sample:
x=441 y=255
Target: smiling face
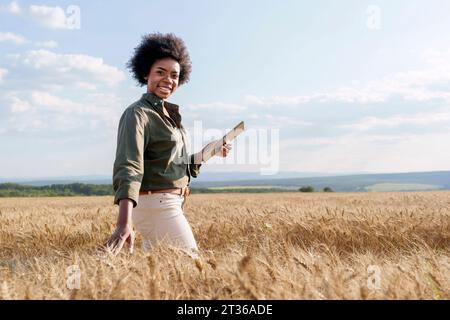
x=162 y=80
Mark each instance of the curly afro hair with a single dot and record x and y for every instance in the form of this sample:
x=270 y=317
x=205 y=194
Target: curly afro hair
x=156 y=46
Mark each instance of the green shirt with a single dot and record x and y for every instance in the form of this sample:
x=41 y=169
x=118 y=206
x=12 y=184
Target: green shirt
x=151 y=151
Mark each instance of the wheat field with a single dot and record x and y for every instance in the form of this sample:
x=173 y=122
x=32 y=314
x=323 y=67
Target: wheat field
x=253 y=246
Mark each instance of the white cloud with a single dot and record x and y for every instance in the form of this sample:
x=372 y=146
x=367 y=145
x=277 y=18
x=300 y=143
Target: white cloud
x=342 y=94
x=371 y=153
x=86 y=85
x=3 y=73
x=36 y=101
x=9 y=36
x=39 y=101
x=277 y=100
x=61 y=93
x=47 y=44
x=218 y=107
x=52 y=17
x=45 y=112
x=414 y=85
x=419 y=119
x=64 y=65
x=12 y=7
x=278 y=121
x=19 y=106
x=51 y=102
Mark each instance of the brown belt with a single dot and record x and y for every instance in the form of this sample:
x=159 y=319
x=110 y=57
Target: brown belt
x=181 y=191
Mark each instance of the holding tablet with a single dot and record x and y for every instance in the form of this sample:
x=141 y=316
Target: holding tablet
x=214 y=147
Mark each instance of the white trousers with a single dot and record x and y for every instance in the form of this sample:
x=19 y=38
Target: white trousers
x=160 y=217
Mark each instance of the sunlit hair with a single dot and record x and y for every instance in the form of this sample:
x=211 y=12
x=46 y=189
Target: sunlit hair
x=157 y=46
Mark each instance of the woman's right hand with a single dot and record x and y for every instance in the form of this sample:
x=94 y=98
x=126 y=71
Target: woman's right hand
x=124 y=231
x=121 y=235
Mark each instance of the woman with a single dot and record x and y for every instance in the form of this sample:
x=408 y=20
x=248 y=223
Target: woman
x=152 y=169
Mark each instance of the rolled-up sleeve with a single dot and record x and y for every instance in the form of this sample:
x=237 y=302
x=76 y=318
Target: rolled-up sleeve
x=195 y=164
x=128 y=168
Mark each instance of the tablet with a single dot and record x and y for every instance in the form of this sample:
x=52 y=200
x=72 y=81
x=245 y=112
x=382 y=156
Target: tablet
x=212 y=149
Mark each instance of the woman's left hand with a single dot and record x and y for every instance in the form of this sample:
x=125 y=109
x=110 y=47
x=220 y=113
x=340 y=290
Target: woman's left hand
x=222 y=152
x=226 y=148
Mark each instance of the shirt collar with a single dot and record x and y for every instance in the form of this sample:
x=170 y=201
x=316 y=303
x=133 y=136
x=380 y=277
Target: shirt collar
x=157 y=102
x=153 y=99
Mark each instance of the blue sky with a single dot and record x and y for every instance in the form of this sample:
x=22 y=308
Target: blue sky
x=348 y=86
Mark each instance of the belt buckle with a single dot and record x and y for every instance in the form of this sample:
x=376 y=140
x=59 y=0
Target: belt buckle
x=185 y=191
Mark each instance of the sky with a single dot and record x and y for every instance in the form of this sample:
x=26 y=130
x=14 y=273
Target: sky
x=323 y=86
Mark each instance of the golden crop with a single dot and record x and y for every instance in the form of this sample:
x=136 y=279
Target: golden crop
x=253 y=246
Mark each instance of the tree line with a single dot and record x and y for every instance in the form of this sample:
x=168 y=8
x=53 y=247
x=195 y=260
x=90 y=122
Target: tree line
x=55 y=190
x=83 y=189
x=311 y=189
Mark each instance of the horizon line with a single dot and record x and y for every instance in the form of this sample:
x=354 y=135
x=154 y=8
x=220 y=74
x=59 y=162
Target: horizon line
x=31 y=179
